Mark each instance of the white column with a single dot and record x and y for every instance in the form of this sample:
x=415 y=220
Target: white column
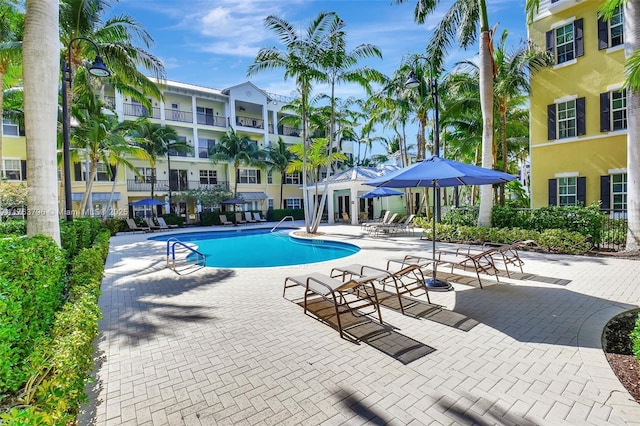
x=330 y=207
x=354 y=205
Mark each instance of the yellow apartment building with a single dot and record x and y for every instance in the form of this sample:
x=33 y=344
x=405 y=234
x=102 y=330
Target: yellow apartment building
x=201 y=117
x=578 y=107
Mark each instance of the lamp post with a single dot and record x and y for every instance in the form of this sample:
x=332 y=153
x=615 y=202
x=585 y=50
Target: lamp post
x=169 y=173
x=99 y=69
x=411 y=83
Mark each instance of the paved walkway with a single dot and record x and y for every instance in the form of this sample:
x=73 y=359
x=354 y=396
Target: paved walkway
x=222 y=346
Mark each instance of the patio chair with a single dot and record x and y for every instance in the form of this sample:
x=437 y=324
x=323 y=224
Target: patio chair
x=405 y=225
x=346 y=296
x=134 y=227
x=383 y=227
x=257 y=217
x=345 y=217
x=152 y=224
x=164 y=225
x=383 y=218
x=239 y=219
x=248 y=218
x=407 y=280
x=224 y=221
x=480 y=262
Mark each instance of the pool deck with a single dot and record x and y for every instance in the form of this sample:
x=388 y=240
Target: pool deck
x=209 y=346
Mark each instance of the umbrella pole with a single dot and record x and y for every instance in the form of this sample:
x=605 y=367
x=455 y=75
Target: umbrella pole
x=434 y=284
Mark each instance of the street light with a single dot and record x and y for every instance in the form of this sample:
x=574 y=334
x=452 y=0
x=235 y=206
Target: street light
x=411 y=83
x=98 y=69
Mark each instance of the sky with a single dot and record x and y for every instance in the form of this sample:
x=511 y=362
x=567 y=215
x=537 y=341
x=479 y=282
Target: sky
x=211 y=43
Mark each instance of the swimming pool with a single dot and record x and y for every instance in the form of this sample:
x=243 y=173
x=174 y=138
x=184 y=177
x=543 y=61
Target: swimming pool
x=258 y=248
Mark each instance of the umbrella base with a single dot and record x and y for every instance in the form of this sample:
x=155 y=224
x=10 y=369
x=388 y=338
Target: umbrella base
x=434 y=284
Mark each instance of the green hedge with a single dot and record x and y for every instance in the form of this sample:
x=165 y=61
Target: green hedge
x=57 y=368
x=277 y=215
x=635 y=338
x=13 y=227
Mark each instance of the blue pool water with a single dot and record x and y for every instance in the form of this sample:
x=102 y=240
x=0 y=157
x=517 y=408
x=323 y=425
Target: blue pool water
x=258 y=248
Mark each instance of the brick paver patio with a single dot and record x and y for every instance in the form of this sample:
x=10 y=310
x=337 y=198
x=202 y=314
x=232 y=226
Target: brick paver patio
x=222 y=346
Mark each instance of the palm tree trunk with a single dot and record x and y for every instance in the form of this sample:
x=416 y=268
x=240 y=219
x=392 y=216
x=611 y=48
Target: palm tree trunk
x=305 y=195
x=631 y=45
x=93 y=171
x=109 y=209
x=486 y=103
x=283 y=177
x=1 y=114
x=41 y=61
x=503 y=143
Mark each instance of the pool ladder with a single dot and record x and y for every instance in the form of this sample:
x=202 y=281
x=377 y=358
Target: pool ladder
x=171 y=253
x=282 y=220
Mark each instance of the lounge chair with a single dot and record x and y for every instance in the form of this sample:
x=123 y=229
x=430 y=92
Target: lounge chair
x=257 y=218
x=346 y=296
x=345 y=217
x=407 y=280
x=152 y=224
x=248 y=218
x=164 y=225
x=382 y=219
x=224 y=221
x=239 y=219
x=383 y=227
x=132 y=226
x=405 y=225
x=481 y=262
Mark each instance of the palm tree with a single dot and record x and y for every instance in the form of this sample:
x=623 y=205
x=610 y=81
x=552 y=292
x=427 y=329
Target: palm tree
x=279 y=157
x=11 y=26
x=462 y=21
x=238 y=150
x=299 y=60
x=41 y=61
x=156 y=140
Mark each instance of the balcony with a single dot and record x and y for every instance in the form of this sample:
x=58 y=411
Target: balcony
x=557 y=6
x=136 y=185
x=137 y=110
x=211 y=120
x=178 y=115
x=289 y=131
x=244 y=121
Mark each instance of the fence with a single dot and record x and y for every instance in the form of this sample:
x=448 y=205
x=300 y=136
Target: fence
x=614 y=231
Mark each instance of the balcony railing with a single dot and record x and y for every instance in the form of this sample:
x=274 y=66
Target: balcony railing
x=181 y=116
x=256 y=123
x=137 y=110
x=136 y=185
x=211 y=120
x=288 y=131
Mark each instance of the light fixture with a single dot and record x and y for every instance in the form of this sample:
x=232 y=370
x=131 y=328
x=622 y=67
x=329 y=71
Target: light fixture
x=98 y=69
x=412 y=81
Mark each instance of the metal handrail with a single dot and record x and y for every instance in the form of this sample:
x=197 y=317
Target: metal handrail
x=171 y=249
x=282 y=220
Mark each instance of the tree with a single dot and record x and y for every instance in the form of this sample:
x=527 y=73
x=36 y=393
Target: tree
x=300 y=61
x=11 y=27
x=279 y=157
x=462 y=21
x=238 y=150
x=41 y=60
x=156 y=139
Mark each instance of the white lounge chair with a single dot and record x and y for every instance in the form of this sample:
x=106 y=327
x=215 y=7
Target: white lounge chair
x=134 y=227
x=247 y=216
x=239 y=219
x=257 y=217
x=163 y=224
x=224 y=221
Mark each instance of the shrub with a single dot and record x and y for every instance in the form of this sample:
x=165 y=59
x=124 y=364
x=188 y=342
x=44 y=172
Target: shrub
x=172 y=219
x=13 y=227
x=31 y=291
x=277 y=215
x=635 y=338
x=115 y=225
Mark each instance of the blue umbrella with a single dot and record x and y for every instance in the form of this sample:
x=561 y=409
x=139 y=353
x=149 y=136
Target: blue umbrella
x=381 y=192
x=147 y=202
x=439 y=172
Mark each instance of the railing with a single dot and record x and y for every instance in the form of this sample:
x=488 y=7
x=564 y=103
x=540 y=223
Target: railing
x=178 y=115
x=134 y=185
x=614 y=231
x=211 y=120
x=171 y=250
x=256 y=123
x=289 y=131
x=282 y=220
x=137 y=110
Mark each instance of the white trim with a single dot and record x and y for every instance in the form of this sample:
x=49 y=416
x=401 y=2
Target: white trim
x=567 y=174
x=615 y=48
x=566 y=63
x=562 y=23
x=565 y=99
x=579 y=139
x=617 y=171
x=614 y=87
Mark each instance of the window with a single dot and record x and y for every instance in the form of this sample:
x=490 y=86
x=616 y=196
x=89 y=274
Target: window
x=293 y=203
x=205 y=147
x=102 y=175
x=567 y=191
x=182 y=152
x=12 y=169
x=9 y=128
x=205 y=115
x=611 y=33
x=619 y=192
x=566 y=43
x=613 y=110
x=566 y=119
x=293 y=179
x=269 y=177
x=248 y=176
x=208 y=177
x=146 y=173
x=270 y=204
